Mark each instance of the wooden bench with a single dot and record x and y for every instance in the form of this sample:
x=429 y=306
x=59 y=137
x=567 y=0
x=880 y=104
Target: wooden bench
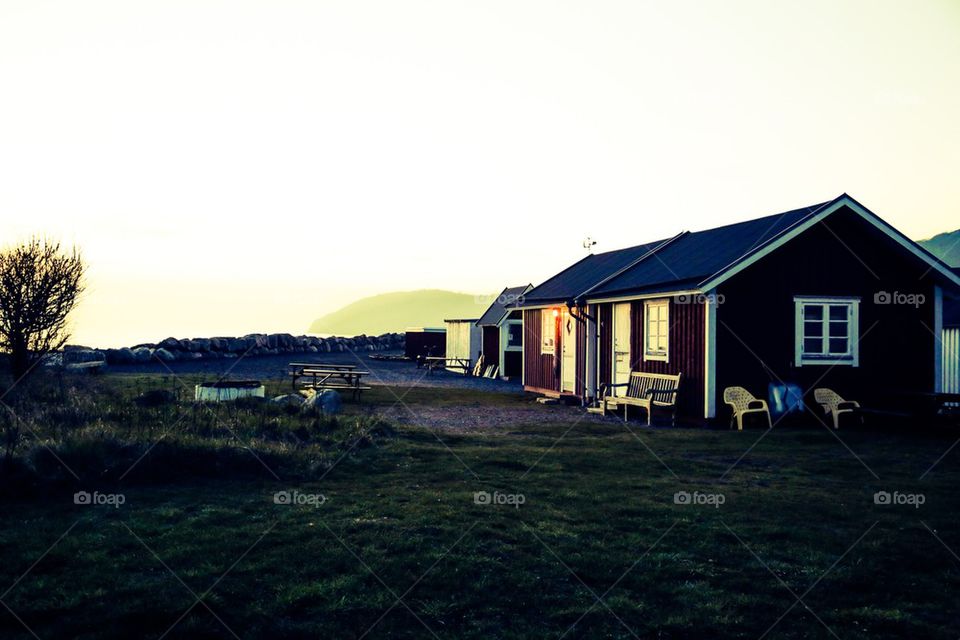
x=645 y=390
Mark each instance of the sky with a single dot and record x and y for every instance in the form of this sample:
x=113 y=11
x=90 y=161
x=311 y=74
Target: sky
x=231 y=167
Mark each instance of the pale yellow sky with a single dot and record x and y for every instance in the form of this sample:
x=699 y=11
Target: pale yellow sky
x=233 y=166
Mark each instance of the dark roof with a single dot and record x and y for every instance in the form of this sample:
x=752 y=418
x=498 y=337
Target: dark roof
x=694 y=257
x=498 y=308
x=684 y=260
x=582 y=275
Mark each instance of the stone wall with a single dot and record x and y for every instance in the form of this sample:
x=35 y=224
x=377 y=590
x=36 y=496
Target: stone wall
x=254 y=344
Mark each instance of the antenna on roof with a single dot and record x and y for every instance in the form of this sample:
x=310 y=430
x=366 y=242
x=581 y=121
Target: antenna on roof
x=589 y=243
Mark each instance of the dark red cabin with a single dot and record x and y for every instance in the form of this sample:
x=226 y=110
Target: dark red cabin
x=827 y=295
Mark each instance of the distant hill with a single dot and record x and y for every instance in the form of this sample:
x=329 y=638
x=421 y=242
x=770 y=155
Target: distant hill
x=399 y=310
x=945 y=246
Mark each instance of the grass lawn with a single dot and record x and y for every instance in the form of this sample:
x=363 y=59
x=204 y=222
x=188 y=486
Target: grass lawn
x=399 y=548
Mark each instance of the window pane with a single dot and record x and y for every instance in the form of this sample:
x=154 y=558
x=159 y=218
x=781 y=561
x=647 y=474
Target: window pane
x=838 y=345
x=813 y=345
x=838 y=312
x=813 y=312
x=838 y=329
x=813 y=329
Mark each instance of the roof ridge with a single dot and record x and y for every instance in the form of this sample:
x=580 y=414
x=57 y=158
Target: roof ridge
x=633 y=264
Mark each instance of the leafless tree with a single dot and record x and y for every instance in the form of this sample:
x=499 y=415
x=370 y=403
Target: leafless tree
x=39 y=287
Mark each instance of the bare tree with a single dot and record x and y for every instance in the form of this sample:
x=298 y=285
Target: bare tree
x=39 y=287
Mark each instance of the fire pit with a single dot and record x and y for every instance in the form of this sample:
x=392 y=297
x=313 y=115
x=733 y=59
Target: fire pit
x=225 y=390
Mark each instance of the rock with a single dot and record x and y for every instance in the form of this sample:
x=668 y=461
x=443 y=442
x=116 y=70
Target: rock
x=142 y=354
x=169 y=343
x=120 y=356
x=199 y=345
x=327 y=402
x=163 y=355
x=290 y=400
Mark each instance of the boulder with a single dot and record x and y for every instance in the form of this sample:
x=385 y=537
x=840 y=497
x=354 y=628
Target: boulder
x=163 y=355
x=120 y=356
x=326 y=402
x=289 y=400
x=142 y=354
x=169 y=343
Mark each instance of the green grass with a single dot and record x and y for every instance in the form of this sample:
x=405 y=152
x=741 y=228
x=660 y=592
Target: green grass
x=400 y=520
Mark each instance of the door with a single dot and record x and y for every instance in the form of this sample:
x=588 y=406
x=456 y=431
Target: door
x=621 y=343
x=568 y=349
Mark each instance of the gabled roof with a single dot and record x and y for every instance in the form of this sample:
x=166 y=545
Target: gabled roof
x=700 y=260
x=497 y=310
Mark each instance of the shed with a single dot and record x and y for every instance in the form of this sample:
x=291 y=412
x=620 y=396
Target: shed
x=425 y=341
x=463 y=342
x=502 y=327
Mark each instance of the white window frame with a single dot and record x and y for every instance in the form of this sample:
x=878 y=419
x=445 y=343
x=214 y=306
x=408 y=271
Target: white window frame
x=548 y=326
x=663 y=304
x=852 y=357
x=506 y=335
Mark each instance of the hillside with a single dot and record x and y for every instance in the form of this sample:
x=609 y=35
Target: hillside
x=945 y=246
x=398 y=310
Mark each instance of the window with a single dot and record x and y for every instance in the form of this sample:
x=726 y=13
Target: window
x=656 y=334
x=548 y=331
x=827 y=331
x=514 y=334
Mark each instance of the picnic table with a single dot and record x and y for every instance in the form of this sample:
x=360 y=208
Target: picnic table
x=432 y=363
x=320 y=376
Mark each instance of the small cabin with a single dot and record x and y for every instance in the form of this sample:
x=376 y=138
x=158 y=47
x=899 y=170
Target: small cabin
x=502 y=333
x=463 y=344
x=826 y=295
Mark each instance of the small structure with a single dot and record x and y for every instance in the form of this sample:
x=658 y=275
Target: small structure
x=425 y=341
x=463 y=344
x=502 y=340
x=828 y=295
x=226 y=390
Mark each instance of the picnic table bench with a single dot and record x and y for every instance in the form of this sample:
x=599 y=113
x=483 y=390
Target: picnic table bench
x=321 y=376
x=432 y=363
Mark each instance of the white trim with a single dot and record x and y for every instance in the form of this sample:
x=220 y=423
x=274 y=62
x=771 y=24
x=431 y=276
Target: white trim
x=937 y=339
x=590 y=364
x=710 y=357
x=853 y=330
x=646 y=296
x=566 y=316
x=843 y=201
x=523 y=352
x=658 y=357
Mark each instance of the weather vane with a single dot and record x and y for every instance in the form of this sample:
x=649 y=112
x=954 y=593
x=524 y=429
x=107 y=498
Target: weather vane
x=589 y=243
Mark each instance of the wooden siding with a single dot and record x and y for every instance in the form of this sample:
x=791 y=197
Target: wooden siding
x=845 y=257
x=541 y=371
x=686 y=349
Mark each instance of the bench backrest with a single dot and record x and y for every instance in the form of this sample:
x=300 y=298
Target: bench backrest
x=641 y=382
